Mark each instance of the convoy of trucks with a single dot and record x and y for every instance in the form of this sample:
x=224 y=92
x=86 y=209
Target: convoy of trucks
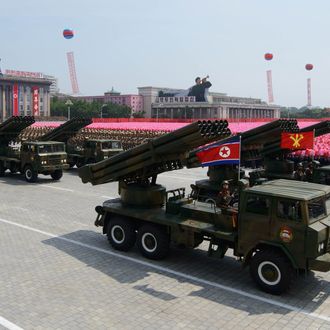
x=89 y=151
x=278 y=228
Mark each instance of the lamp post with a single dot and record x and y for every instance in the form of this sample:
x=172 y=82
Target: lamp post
x=68 y=103
x=102 y=107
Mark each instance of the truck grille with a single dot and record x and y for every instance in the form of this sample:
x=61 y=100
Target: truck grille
x=54 y=161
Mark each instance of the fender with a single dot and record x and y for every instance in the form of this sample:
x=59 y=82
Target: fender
x=267 y=244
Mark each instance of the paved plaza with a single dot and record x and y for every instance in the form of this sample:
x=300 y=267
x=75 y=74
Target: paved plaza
x=58 y=271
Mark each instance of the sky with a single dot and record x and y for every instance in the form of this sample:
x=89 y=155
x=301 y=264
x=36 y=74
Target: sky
x=127 y=44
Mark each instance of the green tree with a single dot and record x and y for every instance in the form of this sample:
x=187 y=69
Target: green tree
x=85 y=109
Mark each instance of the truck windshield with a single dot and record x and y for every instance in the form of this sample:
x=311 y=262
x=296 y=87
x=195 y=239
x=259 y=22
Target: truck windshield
x=316 y=209
x=49 y=148
x=323 y=177
x=111 y=145
x=327 y=204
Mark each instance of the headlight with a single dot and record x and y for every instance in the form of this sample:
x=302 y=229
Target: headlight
x=43 y=162
x=321 y=247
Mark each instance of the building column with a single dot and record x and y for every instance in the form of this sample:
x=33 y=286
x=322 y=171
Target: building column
x=3 y=102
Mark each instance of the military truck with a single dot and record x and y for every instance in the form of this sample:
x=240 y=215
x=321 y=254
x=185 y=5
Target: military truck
x=93 y=151
x=29 y=158
x=278 y=228
x=90 y=151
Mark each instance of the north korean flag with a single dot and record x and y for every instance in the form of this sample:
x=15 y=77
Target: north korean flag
x=220 y=153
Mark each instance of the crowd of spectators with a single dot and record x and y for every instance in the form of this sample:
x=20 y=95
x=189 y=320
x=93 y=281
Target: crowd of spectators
x=129 y=138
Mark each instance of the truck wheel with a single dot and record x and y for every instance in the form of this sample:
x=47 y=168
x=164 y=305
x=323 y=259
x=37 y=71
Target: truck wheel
x=121 y=234
x=153 y=242
x=2 y=169
x=56 y=175
x=271 y=271
x=30 y=174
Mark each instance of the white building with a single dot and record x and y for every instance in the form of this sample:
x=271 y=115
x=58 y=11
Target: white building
x=171 y=103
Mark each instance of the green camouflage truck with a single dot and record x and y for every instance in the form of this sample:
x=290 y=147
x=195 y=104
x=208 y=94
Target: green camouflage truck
x=93 y=151
x=278 y=228
x=29 y=158
x=90 y=151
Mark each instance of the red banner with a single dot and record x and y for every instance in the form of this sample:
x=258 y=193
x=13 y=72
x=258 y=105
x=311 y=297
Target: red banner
x=35 y=95
x=15 y=100
x=295 y=141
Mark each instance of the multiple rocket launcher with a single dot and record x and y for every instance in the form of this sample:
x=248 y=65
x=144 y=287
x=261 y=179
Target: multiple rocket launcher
x=12 y=127
x=174 y=150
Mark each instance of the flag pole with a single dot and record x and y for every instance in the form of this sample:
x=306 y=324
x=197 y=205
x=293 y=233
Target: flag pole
x=313 y=144
x=239 y=160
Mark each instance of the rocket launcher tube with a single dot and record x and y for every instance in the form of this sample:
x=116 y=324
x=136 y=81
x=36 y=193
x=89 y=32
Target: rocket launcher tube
x=139 y=150
x=67 y=130
x=155 y=156
x=320 y=128
x=12 y=127
x=147 y=158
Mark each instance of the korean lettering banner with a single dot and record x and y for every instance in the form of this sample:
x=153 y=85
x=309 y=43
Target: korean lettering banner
x=35 y=106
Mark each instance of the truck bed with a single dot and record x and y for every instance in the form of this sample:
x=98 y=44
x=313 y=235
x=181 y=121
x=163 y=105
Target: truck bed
x=159 y=215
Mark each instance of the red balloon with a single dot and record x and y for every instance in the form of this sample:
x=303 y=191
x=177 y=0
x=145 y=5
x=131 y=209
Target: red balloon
x=309 y=67
x=268 y=56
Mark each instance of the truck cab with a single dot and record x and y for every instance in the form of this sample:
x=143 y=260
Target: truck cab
x=33 y=158
x=321 y=175
x=284 y=225
x=94 y=151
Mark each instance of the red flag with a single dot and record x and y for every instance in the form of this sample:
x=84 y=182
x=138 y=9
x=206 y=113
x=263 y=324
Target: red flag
x=15 y=100
x=220 y=153
x=295 y=141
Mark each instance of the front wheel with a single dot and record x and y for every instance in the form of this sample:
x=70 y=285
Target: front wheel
x=121 y=233
x=153 y=242
x=56 y=175
x=30 y=174
x=271 y=271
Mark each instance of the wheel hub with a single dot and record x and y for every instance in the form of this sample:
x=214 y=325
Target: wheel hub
x=149 y=242
x=269 y=273
x=118 y=234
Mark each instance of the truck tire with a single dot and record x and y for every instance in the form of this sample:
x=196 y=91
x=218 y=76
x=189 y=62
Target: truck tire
x=2 y=169
x=121 y=234
x=30 y=174
x=271 y=271
x=153 y=242
x=56 y=175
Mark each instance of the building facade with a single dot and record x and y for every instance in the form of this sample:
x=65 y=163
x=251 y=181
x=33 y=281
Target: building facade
x=24 y=96
x=135 y=102
x=175 y=103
